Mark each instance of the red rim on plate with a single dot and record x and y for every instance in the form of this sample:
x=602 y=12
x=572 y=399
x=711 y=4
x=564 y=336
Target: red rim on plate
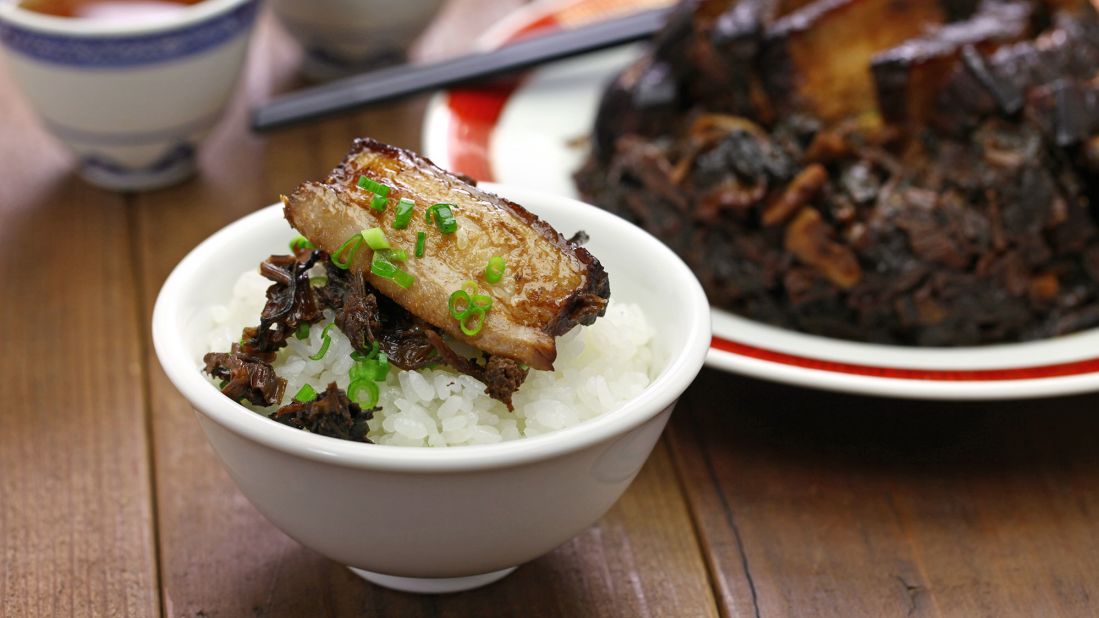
x=476 y=112
x=938 y=375
x=473 y=115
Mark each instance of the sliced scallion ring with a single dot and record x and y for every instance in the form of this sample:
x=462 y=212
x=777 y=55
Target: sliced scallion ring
x=351 y=246
x=404 y=213
x=301 y=243
x=303 y=331
x=325 y=342
x=459 y=304
x=482 y=302
x=373 y=186
x=381 y=266
x=403 y=279
x=305 y=394
x=363 y=392
x=421 y=243
x=494 y=271
x=378 y=203
x=375 y=238
x=477 y=315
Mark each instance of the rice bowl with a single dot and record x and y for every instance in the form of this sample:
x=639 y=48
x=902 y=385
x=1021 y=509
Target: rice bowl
x=440 y=519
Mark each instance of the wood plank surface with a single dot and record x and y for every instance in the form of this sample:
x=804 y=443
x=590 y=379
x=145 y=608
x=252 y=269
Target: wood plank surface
x=221 y=558
x=761 y=500
x=831 y=505
x=76 y=525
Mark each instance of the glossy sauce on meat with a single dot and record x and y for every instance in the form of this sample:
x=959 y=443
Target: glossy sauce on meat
x=549 y=285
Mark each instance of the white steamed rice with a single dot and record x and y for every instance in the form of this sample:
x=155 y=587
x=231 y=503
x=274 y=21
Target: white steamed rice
x=598 y=368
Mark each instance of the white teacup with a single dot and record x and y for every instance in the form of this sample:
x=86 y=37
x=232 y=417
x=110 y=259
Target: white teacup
x=341 y=37
x=131 y=99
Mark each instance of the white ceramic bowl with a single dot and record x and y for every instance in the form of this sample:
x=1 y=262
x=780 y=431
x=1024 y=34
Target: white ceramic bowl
x=425 y=519
x=132 y=100
x=341 y=37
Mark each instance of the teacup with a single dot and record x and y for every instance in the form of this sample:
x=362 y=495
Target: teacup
x=133 y=99
x=341 y=37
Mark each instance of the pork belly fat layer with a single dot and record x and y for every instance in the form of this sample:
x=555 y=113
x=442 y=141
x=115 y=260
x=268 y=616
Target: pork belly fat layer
x=550 y=284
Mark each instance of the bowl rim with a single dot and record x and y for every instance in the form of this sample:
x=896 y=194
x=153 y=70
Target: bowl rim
x=189 y=15
x=682 y=367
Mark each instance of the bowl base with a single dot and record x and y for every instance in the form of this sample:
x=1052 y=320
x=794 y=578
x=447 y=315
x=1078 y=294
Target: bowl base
x=167 y=173
x=433 y=585
x=319 y=66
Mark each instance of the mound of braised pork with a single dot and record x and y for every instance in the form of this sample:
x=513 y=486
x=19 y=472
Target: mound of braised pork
x=899 y=171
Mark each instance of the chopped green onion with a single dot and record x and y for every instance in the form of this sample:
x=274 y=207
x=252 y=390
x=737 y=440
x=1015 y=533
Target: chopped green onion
x=403 y=279
x=370 y=399
x=378 y=203
x=482 y=302
x=381 y=266
x=396 y=255
x=319 y=281
x=383 y=269
x=459 y=304
x=358 y=356
x=421 y=241
x=404 y=213
x=301 y=242
x=325 y=342
x=303 y=331
x=478 y=316
x=444 y=218
x=375 y=238
x=370 y=368
x=495 y=269
x=358 y=371
x=352 y=246
x=469 y=308
x=373 y=186
x=306 y=394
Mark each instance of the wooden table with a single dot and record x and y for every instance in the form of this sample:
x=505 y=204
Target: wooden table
x=761 y=500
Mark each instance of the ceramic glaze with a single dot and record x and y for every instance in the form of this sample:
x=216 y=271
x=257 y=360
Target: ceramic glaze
x=132 y=101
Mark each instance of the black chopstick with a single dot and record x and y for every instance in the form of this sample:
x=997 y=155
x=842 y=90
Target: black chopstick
x=400 y=81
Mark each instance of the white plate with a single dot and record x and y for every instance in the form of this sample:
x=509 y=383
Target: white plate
x=525 y=133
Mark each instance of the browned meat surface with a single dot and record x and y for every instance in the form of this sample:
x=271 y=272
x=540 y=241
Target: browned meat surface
x=330 y=414
x=984 y=84
x=909 y=76
x=816 y=58
x=368 y=317
x=903 y=172
x=550 y=284
x=245 y=377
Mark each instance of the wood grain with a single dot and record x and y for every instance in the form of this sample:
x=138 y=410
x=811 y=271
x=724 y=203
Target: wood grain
x=221 y=558
x=830 y=505
x=763 y=500
x=76 y=525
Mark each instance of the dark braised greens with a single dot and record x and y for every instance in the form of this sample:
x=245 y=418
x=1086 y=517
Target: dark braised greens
x=372 y=322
